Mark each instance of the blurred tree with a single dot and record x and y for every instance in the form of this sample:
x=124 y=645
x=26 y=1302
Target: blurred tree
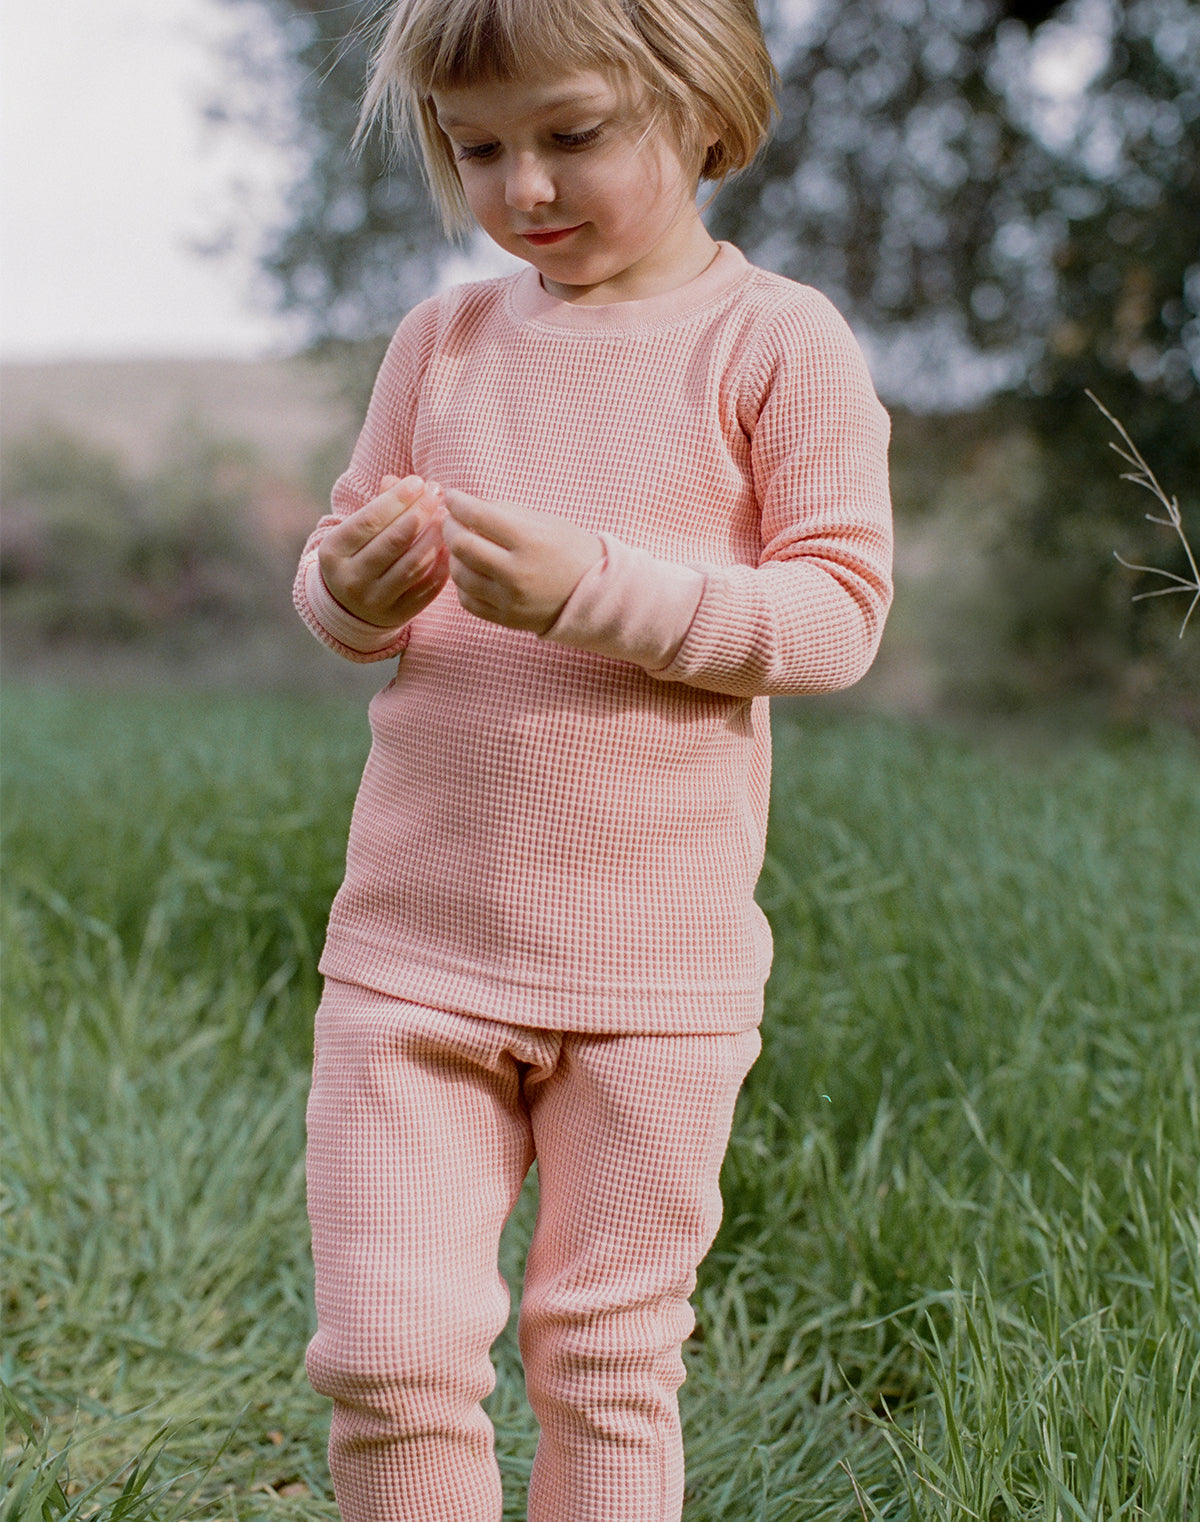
x=1002 y=195
x=1123 y=319
x=969 y=189
x=358 y=242
x=939 y=173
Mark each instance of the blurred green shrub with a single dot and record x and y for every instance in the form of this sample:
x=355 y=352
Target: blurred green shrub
x=94 y=553
x=1022 y=603
x=1070 y=616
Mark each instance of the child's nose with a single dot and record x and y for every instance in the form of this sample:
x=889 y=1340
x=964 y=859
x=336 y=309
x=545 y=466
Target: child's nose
x=529 y=183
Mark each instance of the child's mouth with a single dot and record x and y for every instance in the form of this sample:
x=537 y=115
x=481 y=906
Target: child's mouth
x=539 y=240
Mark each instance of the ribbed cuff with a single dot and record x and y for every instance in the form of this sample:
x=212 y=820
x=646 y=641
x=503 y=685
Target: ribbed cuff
x=355 y=633
x=630 y=607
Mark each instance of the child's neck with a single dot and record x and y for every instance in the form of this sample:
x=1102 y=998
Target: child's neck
x=674 y=264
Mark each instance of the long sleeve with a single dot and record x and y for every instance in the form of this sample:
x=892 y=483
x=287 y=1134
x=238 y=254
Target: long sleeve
x=384 y=447
x=809 y=616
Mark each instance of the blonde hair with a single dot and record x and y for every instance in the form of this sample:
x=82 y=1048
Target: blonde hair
x=704 y=63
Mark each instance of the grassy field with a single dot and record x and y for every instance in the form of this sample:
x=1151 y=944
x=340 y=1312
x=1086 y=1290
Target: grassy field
x=959 y=1275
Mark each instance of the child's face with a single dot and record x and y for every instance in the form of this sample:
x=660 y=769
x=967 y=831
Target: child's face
x=564 y=174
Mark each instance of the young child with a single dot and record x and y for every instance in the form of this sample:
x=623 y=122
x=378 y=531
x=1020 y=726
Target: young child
x=599 y=511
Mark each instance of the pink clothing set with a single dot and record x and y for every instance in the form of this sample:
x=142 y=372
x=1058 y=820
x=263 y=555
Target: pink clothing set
x=555 y=845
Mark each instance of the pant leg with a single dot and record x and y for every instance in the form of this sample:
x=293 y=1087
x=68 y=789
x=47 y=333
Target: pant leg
x=418 y=1143
x=630 y=1133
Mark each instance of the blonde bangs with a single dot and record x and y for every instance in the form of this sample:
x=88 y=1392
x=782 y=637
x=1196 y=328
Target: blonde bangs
x=501 y=40
x=703 y=62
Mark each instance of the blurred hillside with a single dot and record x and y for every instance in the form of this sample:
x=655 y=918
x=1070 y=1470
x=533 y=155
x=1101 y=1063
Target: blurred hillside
x=153 y=512
x=286 y=409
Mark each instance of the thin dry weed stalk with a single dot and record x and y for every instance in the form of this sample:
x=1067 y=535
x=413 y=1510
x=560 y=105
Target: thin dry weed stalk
x=1141 y=475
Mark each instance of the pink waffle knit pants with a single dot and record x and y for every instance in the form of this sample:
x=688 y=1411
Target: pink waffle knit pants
x=422 y=1127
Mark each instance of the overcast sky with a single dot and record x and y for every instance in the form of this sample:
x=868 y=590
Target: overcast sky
x=107 y=174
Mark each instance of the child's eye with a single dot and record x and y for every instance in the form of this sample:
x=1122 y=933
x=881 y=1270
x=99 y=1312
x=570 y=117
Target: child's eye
x=578 y=139
x=570 y=141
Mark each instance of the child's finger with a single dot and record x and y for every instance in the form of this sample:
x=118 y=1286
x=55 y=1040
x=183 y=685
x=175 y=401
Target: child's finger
x=384 y=518
x=414 y=564
x=404 y=547
x=411 y=486
x=495 y=521
x=470 y=584
x=474 y=554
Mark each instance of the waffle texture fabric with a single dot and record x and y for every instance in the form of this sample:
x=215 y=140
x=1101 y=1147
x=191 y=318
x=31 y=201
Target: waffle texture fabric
x=422 y=1125
x=566 y=831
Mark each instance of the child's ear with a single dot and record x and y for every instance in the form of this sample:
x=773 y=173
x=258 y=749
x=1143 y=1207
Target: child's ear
x=711 y=131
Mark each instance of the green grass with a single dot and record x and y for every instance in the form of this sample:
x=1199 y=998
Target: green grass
x=959 y=1275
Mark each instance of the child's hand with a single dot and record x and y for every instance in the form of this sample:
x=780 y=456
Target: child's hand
x=387 y=562
x=514 y=565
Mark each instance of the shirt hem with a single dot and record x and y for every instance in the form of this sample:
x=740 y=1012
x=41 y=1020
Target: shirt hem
x=599 y=1011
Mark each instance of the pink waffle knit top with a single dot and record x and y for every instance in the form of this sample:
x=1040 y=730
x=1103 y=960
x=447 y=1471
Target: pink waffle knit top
x=566 y=831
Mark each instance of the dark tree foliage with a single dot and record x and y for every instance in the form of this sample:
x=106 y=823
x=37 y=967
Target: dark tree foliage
x=917 y=177
x=922 y=178
x=1031 y=12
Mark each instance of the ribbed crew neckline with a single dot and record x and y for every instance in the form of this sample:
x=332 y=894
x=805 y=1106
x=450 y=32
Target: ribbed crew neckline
x=529 y=301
